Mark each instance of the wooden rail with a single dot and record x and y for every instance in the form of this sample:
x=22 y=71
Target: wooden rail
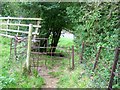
x=25 y=32
x=24 y=25
x=16 y=18
x=6 y=23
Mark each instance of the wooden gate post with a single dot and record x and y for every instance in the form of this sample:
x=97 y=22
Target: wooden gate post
x=82 y=51
x=29 y=47
x=117 y=52
x=73 y=57
x=97 y=58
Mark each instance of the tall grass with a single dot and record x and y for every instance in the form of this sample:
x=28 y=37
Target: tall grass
x=11 y=75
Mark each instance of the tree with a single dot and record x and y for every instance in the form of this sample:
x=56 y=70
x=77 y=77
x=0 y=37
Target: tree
x=96 y=24
x=54 y=20
x=53 y=14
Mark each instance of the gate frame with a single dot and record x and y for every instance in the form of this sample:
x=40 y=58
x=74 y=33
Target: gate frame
x=29 y=33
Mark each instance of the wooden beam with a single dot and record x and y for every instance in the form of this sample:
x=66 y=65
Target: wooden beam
x=9 y=36
x=25 y=32
x=24 y=25
x=10 y=30
x=29 y=47
x=15 y=18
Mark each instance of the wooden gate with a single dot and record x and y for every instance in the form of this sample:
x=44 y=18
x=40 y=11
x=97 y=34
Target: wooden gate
x=18 y=28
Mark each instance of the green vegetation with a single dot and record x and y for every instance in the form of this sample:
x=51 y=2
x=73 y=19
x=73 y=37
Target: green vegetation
x=65 y=42
x=96 y=24
x=11 y=71
x=55 y=74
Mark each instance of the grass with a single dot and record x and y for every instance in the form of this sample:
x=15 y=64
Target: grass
x=67 y=78
x=71 y=78
x=55 y=74
x=65 y=42
x=11 y=73
x=11 y=76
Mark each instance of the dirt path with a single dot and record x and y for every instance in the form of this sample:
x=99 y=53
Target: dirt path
x=50 y=82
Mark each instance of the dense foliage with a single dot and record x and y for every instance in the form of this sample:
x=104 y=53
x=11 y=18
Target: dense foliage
x=96 y=24
x=53 y=14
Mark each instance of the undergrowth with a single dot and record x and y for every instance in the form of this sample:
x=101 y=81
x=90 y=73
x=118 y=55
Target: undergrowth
x=81 y=77
x=11 y=75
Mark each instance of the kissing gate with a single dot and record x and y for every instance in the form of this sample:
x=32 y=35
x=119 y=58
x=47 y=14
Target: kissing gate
x=20 y=29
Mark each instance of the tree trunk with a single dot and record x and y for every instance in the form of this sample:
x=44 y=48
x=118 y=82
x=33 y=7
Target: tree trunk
x=55 y=39
x=43 y=43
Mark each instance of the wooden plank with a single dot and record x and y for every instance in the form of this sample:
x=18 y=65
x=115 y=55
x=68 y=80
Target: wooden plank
x=25 y=32
x=15 y=18
x=9 y=36
x=14 y=24
x=25 y=25
x=10 y=30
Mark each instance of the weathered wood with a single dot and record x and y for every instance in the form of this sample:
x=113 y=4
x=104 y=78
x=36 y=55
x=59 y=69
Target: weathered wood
x=24 y=25
x=15 y=18
x=82 y=51
x=117 y=52
x=25 y=32
x=18 y=27
x=11 y=48
x=97 y=58
x=10 y=30
x=15 y=49
x=29 y=48
x=9 y=36
x=7 y=26
x=73 y=57
x=36 y=30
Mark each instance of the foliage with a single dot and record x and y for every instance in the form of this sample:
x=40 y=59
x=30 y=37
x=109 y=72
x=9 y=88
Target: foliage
x=54 y=20
x=10 y=73
x=53 y=15
x=11 y=9
x=96 y=24
x=65 y=42
x=55 y=74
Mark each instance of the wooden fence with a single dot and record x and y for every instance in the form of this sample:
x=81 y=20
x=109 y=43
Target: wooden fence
x=96 y=62
x=13 y=27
